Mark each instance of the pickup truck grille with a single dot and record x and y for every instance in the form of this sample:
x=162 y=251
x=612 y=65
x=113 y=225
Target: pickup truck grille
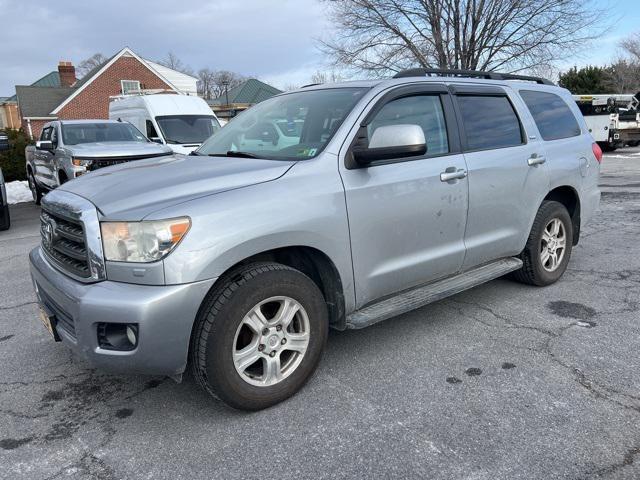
x=104 y=163
x=97 y=163
x=63 y=240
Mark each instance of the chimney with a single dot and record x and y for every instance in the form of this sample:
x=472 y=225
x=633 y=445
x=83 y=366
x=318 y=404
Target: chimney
x=67 y=74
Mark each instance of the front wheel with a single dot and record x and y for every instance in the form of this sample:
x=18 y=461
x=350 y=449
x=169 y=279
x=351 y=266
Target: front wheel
x=546 y=254
x=259 y=335
x=36 y=191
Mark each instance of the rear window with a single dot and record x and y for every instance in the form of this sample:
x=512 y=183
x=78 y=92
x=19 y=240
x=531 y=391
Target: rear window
x=551 y=114
x=489 y=122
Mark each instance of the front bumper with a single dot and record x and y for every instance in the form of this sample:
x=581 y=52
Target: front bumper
x=164 y=315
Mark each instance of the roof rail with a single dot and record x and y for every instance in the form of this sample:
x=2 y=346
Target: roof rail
x=441 y=72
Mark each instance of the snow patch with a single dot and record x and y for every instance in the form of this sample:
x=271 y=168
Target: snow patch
x=18 y=192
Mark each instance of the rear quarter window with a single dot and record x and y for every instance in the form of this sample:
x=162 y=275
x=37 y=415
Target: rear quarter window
x=552 y=115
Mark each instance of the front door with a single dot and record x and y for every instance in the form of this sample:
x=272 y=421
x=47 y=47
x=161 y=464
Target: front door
x=407 y=215
x=43 y=160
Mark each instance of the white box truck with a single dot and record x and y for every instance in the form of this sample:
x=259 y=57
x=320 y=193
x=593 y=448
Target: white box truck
x=182 y=122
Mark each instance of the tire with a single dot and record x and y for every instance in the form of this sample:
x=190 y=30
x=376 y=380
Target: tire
x=36 y=191
x=62 y=178
x=538 y=267
x=222 y=329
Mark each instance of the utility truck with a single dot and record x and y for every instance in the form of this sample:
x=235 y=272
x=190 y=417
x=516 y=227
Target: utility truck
x=612 y=119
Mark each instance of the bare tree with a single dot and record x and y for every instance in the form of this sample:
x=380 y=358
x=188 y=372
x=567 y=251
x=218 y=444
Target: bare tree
x=88 y=64
x=206 y=83
x=507 y=35
x=623 y=76
x=224 y=80
x=173 y=62
x=631 y=46
x=624 y=73
x=331 y=76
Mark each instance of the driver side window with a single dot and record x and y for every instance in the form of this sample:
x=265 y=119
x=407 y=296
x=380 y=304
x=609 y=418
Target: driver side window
x=54 y=137
x=46 y=133
x=425 y=111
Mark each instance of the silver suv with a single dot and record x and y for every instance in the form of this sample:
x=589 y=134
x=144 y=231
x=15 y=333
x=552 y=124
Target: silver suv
x=237 y=258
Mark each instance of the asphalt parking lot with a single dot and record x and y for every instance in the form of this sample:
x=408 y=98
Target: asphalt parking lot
x=504 y=381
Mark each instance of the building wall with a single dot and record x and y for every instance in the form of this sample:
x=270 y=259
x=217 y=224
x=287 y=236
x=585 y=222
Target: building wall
x=9 y=117
x=93 y=101
x=36 y=127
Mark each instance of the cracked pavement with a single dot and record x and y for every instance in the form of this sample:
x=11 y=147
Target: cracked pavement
x=504 y=381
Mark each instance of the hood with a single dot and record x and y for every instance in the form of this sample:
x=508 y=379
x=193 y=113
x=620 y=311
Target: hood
x=133 y=190
x=117 y=149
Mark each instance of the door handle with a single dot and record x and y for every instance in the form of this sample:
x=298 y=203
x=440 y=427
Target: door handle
x=452 y=174
x=536 y=160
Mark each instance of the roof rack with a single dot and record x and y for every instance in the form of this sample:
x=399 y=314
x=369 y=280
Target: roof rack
x=427 y=72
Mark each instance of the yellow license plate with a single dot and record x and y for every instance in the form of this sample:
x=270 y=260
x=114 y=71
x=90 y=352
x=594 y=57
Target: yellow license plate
x=46 y=321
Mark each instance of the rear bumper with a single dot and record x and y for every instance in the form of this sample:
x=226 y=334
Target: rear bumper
x=629 y=135
x=164 y=315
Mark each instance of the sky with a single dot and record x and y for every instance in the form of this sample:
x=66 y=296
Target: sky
x=274 y=40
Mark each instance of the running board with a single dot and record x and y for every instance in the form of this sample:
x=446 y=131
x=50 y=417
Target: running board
x=418 y=297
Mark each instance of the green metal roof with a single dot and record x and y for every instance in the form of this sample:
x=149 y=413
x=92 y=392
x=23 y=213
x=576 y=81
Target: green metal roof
x=252 y=91
x=51 y=79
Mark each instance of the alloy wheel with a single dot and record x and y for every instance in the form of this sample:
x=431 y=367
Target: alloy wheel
x=553 y=245
x=271 y=341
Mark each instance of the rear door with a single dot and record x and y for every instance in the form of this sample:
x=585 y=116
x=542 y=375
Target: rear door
x=406 y=222
x=507 y=173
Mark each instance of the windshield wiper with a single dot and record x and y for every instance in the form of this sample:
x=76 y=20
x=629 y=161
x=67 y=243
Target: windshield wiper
x=236 y=153
x=193 y=152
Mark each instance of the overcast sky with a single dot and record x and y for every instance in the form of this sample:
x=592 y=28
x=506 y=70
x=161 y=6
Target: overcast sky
x=273 y=40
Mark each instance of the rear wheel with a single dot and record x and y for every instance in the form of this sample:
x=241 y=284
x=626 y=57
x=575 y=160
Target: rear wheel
x=548 y=249
x=36 y=191
x=259 y=335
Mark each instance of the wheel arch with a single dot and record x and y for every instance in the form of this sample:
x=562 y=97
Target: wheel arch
x=314 y=263
x=568 y=196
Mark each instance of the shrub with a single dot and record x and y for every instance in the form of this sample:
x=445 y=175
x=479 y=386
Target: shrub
x=12 y=161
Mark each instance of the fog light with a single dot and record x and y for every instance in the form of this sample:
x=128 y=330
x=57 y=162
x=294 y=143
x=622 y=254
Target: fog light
x=117 y=336
x=132 y=335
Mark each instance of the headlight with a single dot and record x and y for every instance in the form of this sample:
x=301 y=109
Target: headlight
x=79 y=162
x=145 y=241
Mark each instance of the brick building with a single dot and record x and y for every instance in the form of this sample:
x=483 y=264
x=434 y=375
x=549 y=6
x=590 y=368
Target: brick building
x=66 y=98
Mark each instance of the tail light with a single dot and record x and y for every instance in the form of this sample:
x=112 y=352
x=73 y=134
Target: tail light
x=597 y=152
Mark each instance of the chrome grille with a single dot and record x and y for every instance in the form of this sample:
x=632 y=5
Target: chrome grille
x=63 y=239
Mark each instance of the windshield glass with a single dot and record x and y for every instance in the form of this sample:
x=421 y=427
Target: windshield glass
x=76 y=133
x=187 y=128
x=288 y=127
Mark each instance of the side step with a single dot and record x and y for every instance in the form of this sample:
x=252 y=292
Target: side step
x=418 y=297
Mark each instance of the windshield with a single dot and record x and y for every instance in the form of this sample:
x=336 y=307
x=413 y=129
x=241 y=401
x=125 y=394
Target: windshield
x=76 y=133
x=187 y=128
x=292 y=126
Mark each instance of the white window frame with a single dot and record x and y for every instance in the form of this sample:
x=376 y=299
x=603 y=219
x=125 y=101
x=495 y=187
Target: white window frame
x=122 y=89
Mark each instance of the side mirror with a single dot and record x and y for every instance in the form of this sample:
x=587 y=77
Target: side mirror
x=156 y=140
x=44 y=145
x=391 y=141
